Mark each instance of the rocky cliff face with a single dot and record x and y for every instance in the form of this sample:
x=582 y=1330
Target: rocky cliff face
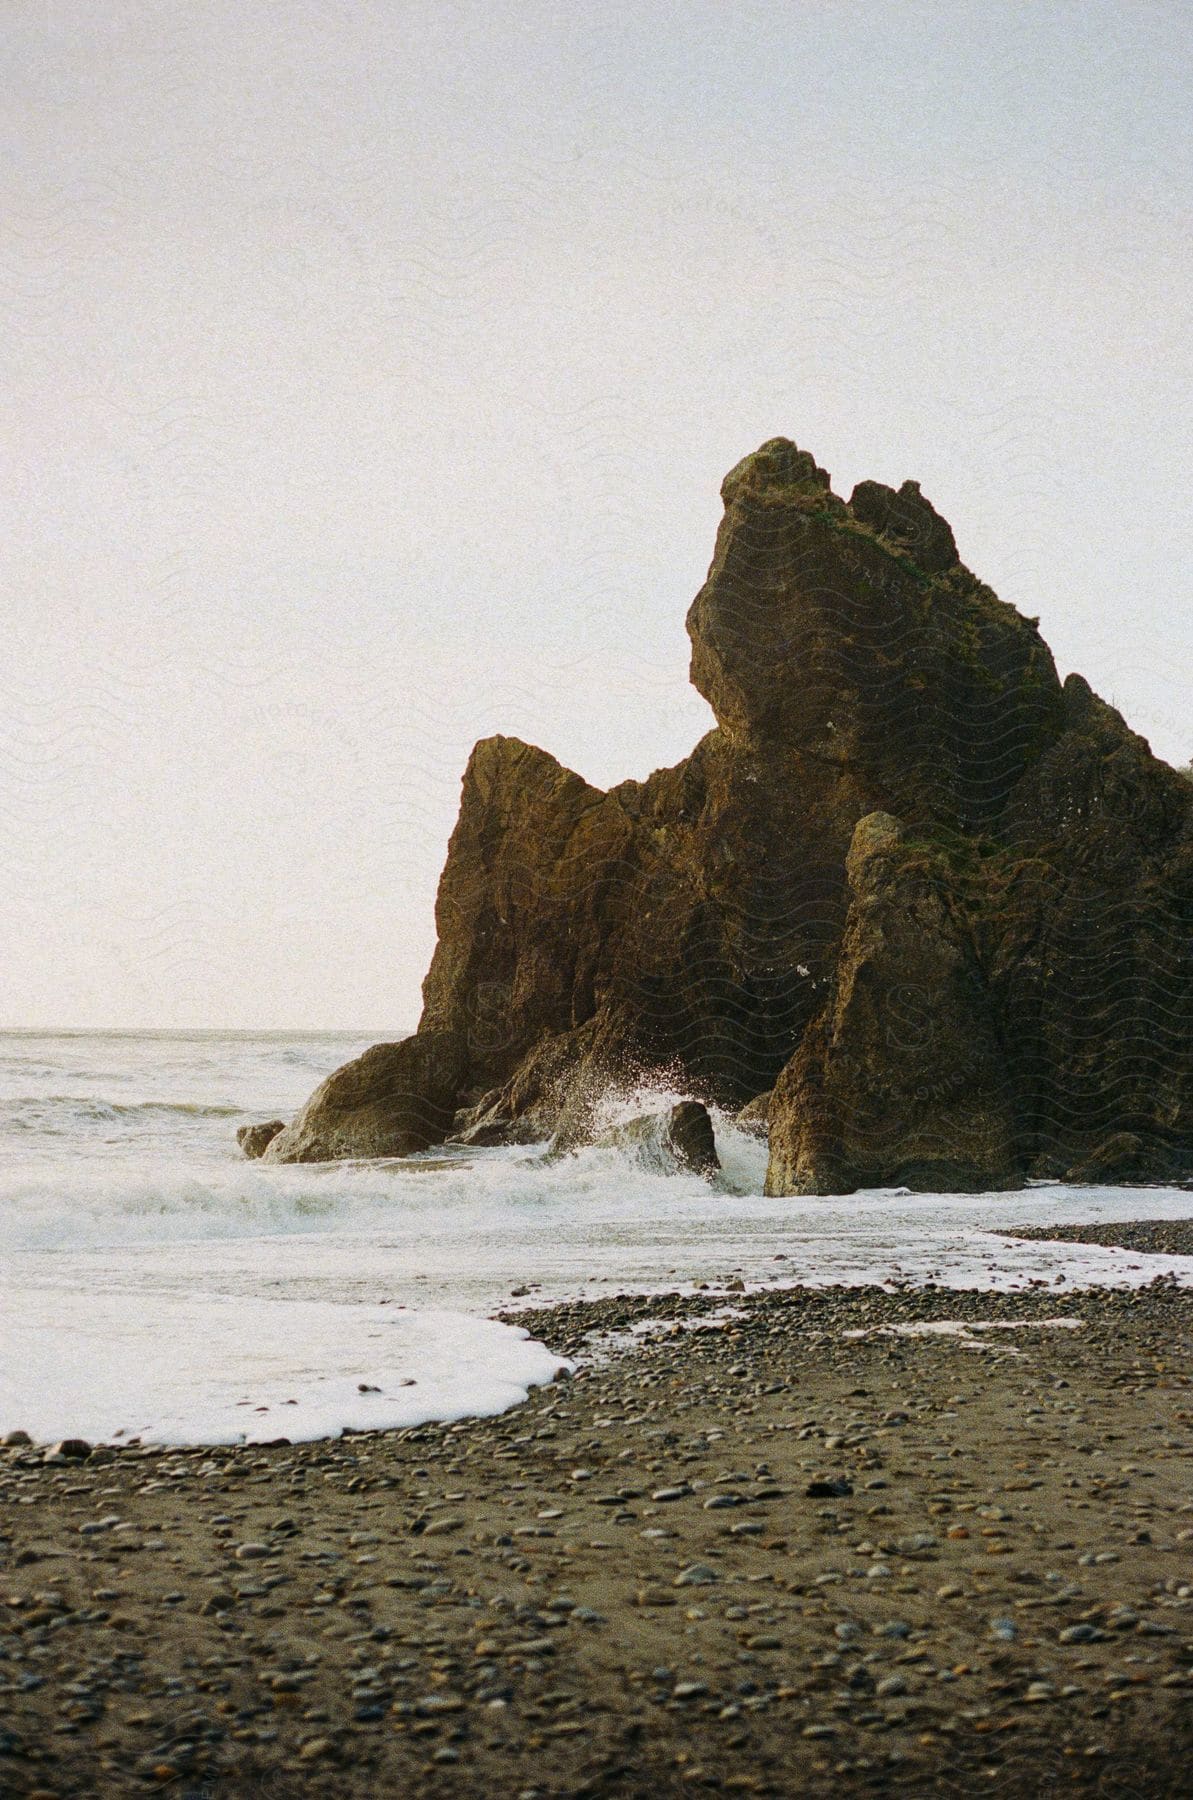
x=1001 y=987
x=901 y=1080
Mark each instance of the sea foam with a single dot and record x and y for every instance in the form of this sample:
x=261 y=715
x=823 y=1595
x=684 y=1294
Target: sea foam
x=155 y=1281
x=170 y=1369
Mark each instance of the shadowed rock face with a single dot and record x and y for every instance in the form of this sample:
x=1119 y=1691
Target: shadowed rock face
x=1036 y=903
x=901 y=1080
x=1124 y=1158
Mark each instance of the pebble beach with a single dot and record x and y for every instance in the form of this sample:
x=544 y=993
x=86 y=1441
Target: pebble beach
x=797 y=1543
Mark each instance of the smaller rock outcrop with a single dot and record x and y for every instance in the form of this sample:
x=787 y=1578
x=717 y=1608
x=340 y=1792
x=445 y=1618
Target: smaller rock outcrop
x=1123 y=1159
x=680 y=1138
x=394 y=1100
x=908 y=522
x=900 y=1081
x=254 y=1140
x=689 y=1138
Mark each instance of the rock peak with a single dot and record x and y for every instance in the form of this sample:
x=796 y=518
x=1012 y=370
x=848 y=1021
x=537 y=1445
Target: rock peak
x=777 y=469
x=906 y=521
x=853 y=634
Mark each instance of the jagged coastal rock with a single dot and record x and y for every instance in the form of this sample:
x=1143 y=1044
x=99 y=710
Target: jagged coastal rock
x=941 y=903
x=901 y=1079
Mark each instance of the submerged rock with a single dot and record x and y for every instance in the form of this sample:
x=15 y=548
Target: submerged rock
x=254 y=1140
x=1014 y=974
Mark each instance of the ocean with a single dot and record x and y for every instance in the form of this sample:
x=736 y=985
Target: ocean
x=156 y=1285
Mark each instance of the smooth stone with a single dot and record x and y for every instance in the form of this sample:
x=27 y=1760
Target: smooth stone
x=696 y=1575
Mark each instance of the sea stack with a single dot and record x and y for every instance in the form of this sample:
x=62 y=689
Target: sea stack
x=941 y=903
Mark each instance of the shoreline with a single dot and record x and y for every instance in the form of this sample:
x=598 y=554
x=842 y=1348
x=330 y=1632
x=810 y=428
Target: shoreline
x=650 y=1578
x=1167 y=1237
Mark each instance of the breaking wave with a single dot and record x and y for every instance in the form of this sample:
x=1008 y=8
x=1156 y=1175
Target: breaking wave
x=155 y=1280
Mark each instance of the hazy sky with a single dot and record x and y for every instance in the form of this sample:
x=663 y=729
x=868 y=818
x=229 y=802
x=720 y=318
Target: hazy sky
x=369 y=372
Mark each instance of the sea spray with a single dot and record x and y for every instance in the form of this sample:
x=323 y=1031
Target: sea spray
x=142 y=1257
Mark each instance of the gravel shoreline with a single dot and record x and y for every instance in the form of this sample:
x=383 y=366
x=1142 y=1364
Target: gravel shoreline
x=752 y=1554
x=1164 y=1237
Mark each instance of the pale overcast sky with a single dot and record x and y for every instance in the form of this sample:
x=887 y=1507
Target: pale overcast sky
x=370 y=368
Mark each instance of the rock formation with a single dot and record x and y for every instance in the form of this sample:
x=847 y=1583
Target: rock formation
x=754 y=1117
x=680 y=1138
x=392 y=1101
x=254 y=1140
x=992 y=979
x=901 y=1079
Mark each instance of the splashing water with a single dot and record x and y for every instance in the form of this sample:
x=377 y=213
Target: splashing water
x=156 y=1280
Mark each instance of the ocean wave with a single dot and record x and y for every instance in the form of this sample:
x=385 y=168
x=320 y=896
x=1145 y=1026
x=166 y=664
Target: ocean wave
x=136 y=1200
x=195 y=1108
x=469 y=1219
x=61 y=1111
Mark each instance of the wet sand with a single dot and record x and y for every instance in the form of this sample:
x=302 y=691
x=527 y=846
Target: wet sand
x=762 y=1556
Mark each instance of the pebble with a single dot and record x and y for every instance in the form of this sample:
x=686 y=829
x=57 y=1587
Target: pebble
x=696 y=1575
x=434 y=1706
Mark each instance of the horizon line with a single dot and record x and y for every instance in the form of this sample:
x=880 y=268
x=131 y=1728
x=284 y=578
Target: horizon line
x=377 y=1032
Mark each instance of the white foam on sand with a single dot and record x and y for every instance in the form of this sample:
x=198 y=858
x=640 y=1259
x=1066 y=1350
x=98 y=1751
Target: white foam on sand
x=176 y=1370
x=966 y=1332
x=152 y=1280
